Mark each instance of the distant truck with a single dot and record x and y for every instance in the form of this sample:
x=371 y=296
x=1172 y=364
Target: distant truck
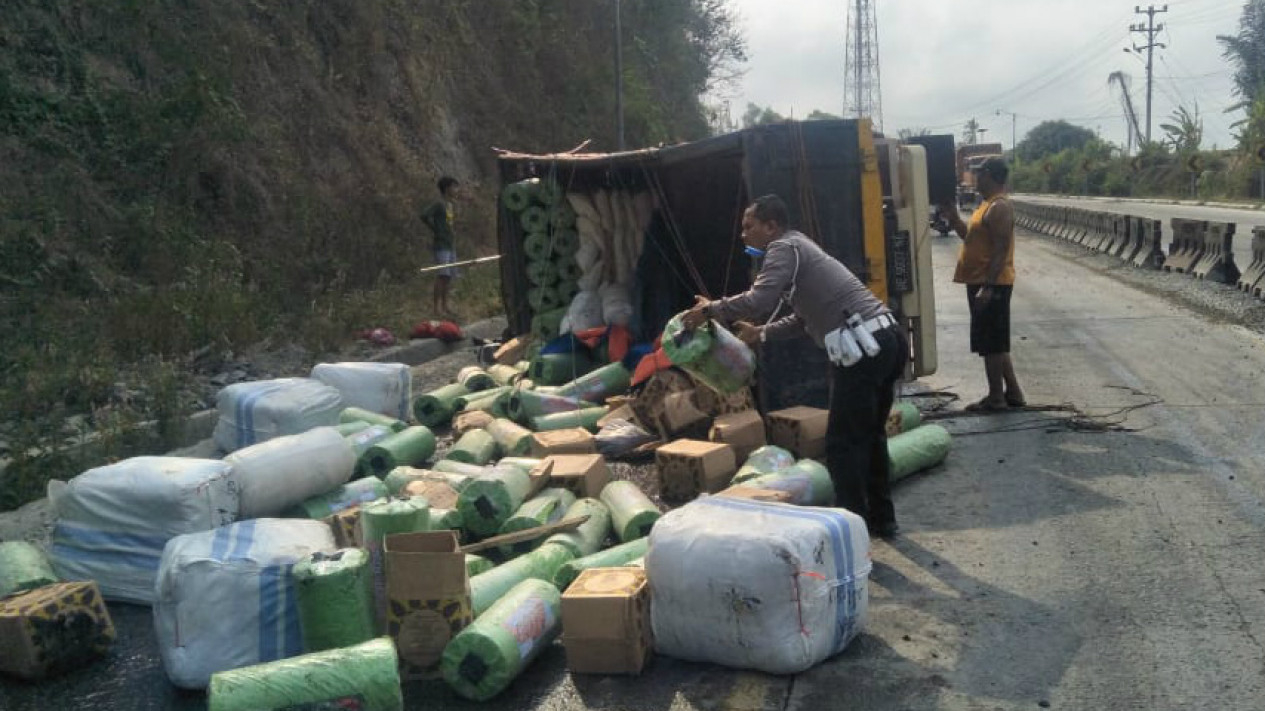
x=969 y=157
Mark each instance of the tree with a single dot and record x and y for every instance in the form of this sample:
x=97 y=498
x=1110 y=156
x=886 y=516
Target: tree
x=819 y=115
x=1246 y=50
x=1051 y=137
x=1186 y=130
x=758 y=116
x=970 y=132
x=905 y=134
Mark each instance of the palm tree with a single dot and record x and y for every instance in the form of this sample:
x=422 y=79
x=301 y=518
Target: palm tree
x=1186 y=130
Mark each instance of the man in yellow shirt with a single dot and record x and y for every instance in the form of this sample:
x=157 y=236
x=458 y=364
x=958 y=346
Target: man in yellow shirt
x=986 y=265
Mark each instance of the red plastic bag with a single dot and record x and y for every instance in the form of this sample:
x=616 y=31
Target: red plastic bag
x=423 y=329
x=448 y=332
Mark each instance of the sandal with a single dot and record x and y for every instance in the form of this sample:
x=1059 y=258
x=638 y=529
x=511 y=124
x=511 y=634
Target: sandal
x=986 y=405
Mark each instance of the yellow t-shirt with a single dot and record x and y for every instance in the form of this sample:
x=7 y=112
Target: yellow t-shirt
x=980 y=244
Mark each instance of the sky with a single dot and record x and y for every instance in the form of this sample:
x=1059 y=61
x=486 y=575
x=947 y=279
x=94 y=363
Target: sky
x=944 y=62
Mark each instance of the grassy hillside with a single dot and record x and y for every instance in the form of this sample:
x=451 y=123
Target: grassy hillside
x=177 y=175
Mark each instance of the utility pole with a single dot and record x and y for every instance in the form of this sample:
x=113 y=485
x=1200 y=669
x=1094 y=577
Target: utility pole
x=619 y=80
x=1150 y=29
x=1014 y=147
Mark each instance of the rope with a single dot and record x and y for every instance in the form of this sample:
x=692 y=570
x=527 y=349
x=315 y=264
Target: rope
x=674 y=231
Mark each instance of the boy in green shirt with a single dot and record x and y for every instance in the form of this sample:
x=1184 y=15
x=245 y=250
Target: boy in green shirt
x=438 y=216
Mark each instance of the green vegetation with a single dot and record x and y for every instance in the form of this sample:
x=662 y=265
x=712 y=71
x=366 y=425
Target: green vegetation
x=184 y=177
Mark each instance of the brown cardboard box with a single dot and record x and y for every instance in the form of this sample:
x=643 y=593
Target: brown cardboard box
x=606 y=621
x=574 y=441
x=690 y=467
x=715 y=403
x=623 y=412
x=428 y=598
x=472 y=420
x=346 y=527
x=583 y=474
x=744 y=431
x=802 y=430
x=438 y=492
x=753 y=494
x=54 y=629
x=512 y=350
x=681 y=418
x=649 y=403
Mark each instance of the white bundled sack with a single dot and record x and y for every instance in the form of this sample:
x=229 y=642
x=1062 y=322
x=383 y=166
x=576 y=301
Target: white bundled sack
x=282 y=472
x=113 y=521
x=584 y=313
x=225 y=599
x=258 y=411
x=617 y=309
x=751 y=585
x=386 y=388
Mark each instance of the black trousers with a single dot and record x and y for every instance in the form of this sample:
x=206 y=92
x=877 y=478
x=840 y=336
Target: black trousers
x=856 y=439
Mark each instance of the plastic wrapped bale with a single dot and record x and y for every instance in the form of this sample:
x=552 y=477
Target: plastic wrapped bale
x=475 y=378
x=347 y=429
x=918 y=449
x=23 y=567
x=711 y=354
x=364 y=677
x=613 y=557
x=113 y=521
x=903 y=418
x=617 y=308
x=512 y=439
x=488 y=501
x=632 y=512
x=527 y=404
x=709 y=556
x=484 y=658
x=225 y=598
x=381 y=519
x=543 y=508
x=261 y=410
x=765 y=460
x=475 y=447
x=589 y=537
x=402 y=449
x=586 y=419
x=335 y=594
x=358 y=414
x=361 y=491
x=620 y=437
x=807 y=481
x=517 y=196
x=584 y=311
x=538 y=246
x=378 y=387
x=541 y=564
x=477 y=564
x=437 y=407
x=596 y=386
x=283 y=472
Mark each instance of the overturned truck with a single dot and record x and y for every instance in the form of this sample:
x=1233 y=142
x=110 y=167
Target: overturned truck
x=630 y=238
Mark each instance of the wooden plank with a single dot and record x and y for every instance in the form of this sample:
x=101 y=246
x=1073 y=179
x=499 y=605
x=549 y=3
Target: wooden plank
x=527 y=534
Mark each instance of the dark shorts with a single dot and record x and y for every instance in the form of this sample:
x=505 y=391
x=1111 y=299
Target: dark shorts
x=990 y=321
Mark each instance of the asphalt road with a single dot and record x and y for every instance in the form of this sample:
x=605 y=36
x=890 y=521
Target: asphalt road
x=1043 y=565
x=1244 y=219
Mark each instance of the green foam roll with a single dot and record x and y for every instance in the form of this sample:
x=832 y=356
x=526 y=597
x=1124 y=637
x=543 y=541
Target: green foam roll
x=366 y=438
x=402 y=449
x=361 y=491
x=632 y=512
x=475 y=379
x=505 y=374
x=613 y=557
x=586 y=418
x=537 y=246
x=476 y=564
x=491 y=498
x=475 y=447
x=545 y=326
x=525 y=463
x=765 y=460
x=541 y=564
x=358 y=414
x=596 y=386
x=918 y=449
x=549 y=193
x=566 y=290
x=542 y=273
x=517 y=196
x=807 y=481
x=543 y=508
x=910 y=417
x=589 y=537
x=23 y=566
x=451 y=466
x=513 y=440
x=436 y=407
x=481 y=400
x=559 y=368
x=525 y=404
x=444 y=520
x=562 y=219
x=364 y=676
x=482 y=660
x=543 y=298
x=401 y=477
x=347 y=429
x=568 y=269
x=379 y=519
x=534 y=219
x=335 y=599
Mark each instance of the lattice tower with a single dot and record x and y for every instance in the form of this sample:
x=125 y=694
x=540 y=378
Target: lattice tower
x=862 y=94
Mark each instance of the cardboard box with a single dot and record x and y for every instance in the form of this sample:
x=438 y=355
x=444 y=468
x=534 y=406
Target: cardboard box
x=437 y=491
x=606 y=622
x=512 y=350
x=574 y=441
x=753 y=494
x=690 y=467
x=472 y=420
x=346 y=527
x=682 y=418
x=649 y=404
x=802 y=430
x=744 y=431
x=716 y=404
x=54 y=629
x=428 y=598
x=582 y=474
